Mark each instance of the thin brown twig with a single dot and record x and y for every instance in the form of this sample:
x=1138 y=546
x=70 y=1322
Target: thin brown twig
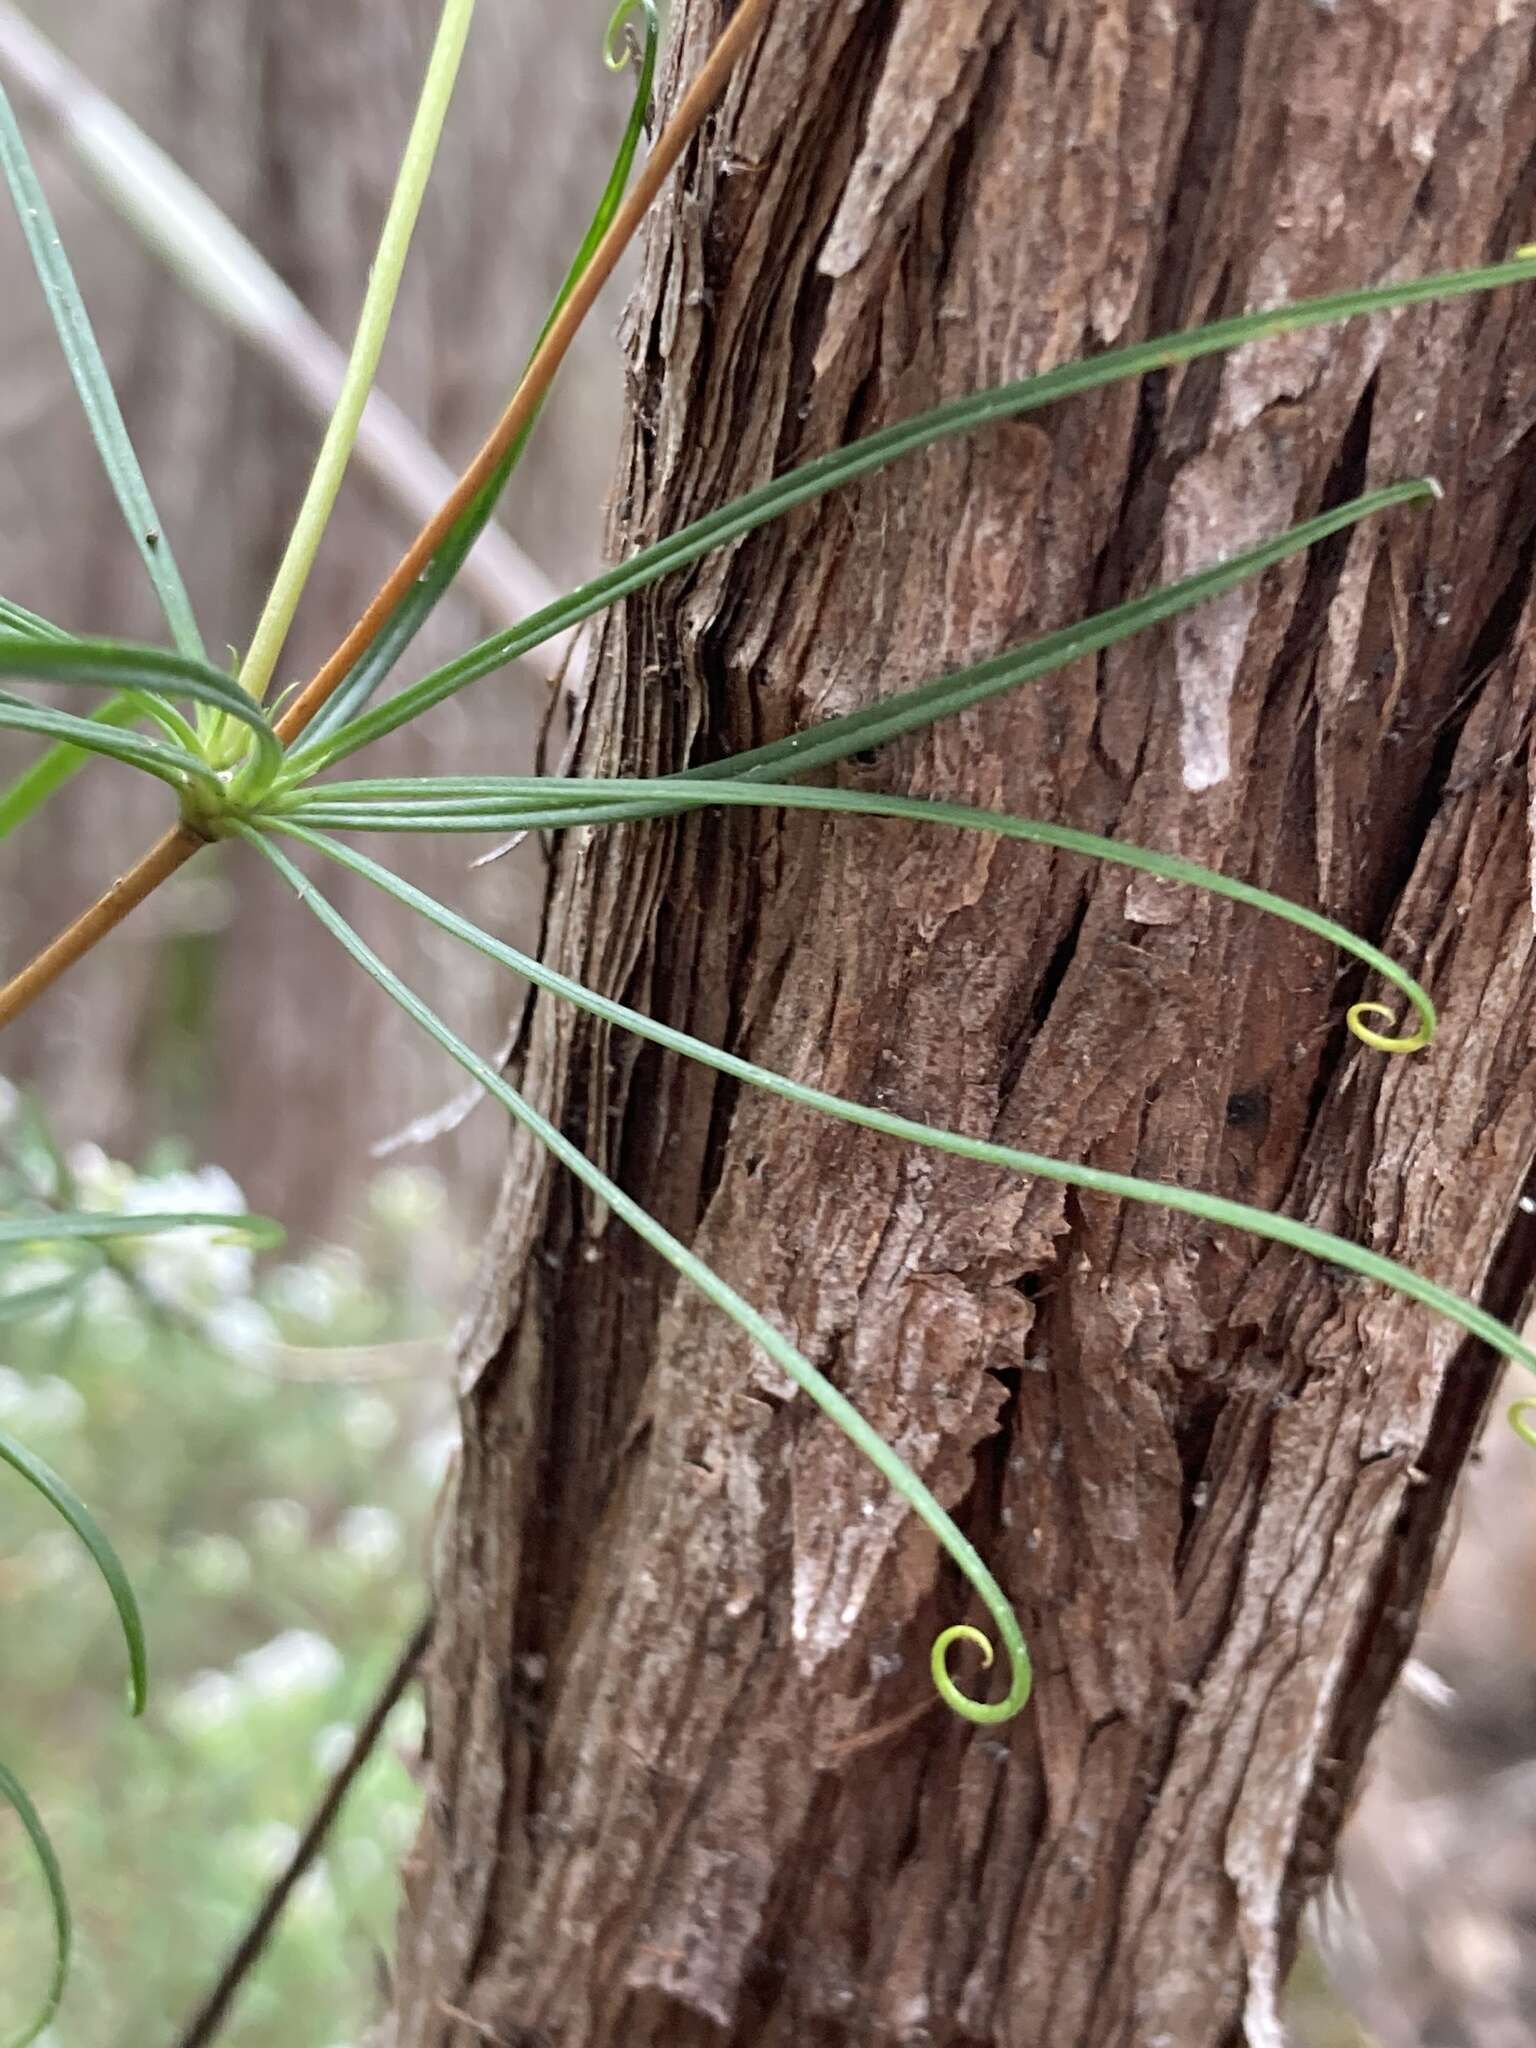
x=529 y=395
x=179 y=845
x=126 y=893
x=211 y=2014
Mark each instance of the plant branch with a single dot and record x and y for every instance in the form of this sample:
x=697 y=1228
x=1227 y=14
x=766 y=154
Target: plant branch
x=368 y=345
x=178 y=846
x=105 y=914
x=540 y=373
x=202 y=247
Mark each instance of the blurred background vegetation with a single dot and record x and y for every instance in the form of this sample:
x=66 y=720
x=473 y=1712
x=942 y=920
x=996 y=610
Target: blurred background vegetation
x=264 y=1452
x=265 y=1441
x=265 y=1447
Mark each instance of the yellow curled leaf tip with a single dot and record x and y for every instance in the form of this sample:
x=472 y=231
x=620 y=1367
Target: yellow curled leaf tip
x=1525 y=252
x=962 y=1632
x=1379 y=1041
x=1519 y=1423
x=955 y=1699
x=618 y=51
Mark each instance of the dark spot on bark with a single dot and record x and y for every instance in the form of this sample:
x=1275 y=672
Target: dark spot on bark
x=1247 y=1110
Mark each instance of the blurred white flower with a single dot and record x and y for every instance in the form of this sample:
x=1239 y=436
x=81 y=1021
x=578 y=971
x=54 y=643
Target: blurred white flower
x=370 y=1536
x=368 y=1422
x=244 y=1330
x=297 y=1661
x=192 y=1270
x=198 y=1268
x=313 y=1898
x=215 y=1563
x=406 y=1198
x=281 y=1524
x=13 y=1393
x=268 y=1847
x=303 y=1292
x=208 y=1702
x=332 y=1746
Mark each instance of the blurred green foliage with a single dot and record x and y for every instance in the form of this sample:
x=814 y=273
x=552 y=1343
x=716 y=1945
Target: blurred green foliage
x=263 y=1443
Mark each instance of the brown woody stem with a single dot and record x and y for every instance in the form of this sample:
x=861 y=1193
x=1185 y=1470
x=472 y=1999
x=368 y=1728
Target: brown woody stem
x=179 y=845
x=107 y=912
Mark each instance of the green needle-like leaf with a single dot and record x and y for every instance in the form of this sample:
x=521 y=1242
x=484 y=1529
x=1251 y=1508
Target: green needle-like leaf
x=152 y=674
x=14 y=1795
x=828 y=472
x=15 y=618
x=31 y=789
x=414 y=610
x=908 y=710
x=103 y=414
x=92 y=1226
x=528 y=804
x=171 y=764
x=1321 y=1244
x=80 y=1519
x=833 y=1404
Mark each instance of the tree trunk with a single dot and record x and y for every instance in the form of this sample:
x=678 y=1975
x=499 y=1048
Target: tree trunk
x=293 y=120
x=689 y=1781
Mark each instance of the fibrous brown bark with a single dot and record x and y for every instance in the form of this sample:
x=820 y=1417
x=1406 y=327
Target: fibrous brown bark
x=689 y=1781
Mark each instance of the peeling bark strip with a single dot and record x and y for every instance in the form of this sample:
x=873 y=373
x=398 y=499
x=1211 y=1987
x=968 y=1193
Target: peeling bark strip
x=690 y=1783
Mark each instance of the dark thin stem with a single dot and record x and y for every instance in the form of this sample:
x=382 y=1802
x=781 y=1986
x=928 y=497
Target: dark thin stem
x=211 y=2014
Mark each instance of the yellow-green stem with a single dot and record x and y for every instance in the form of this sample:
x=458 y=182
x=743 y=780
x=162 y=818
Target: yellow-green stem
x=261 y=661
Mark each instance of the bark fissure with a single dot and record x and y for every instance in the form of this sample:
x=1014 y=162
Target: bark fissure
x=1192 y=1460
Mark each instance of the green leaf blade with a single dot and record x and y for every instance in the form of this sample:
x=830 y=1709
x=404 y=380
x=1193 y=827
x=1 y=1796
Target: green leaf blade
x=15 y=1796
x=93 y=383
x=412 y=613
x=68 y=1504
x=92 y=1226
x=812 y=480
x=1217 y=1209
x=833 y=1404
x=27 y=792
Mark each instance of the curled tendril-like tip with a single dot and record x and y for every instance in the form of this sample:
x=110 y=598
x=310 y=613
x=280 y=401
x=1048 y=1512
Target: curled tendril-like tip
x=1520 y=1423
x=1416 y=1042
x=620 y=48
x=955 y=1699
